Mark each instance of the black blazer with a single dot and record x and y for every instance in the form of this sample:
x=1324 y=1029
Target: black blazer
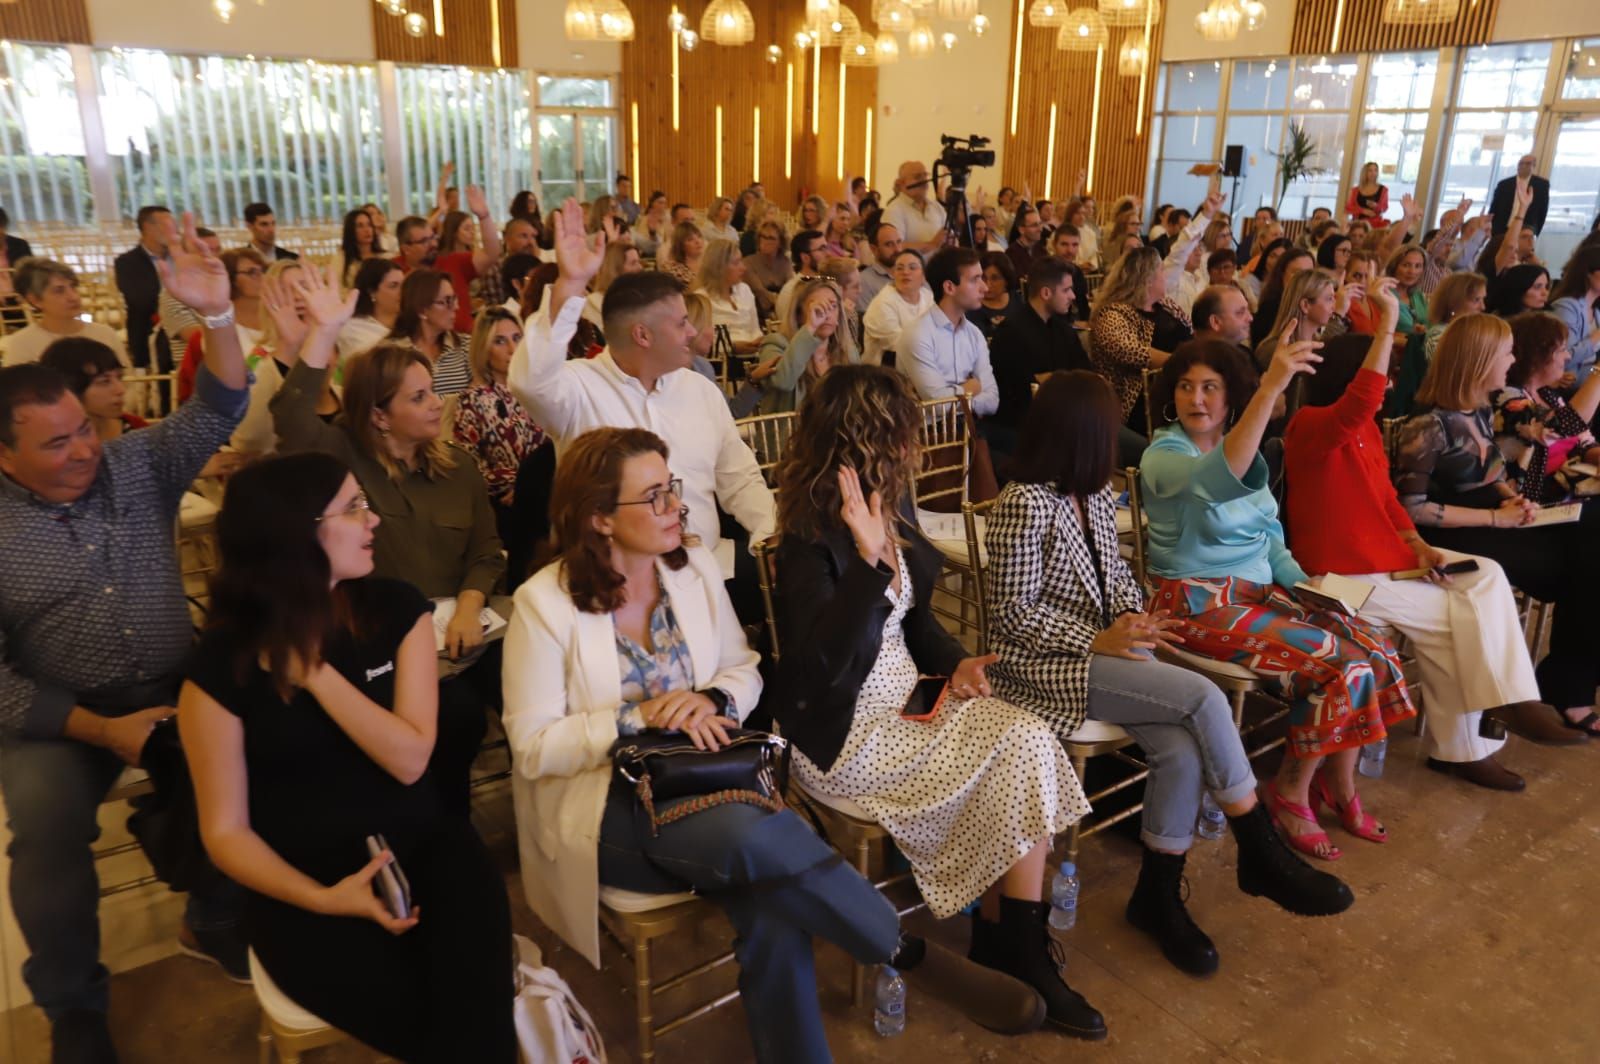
x=17 y=249
x=1505 y=194
x=140 y=286
x=281 y=253
x=831 y=609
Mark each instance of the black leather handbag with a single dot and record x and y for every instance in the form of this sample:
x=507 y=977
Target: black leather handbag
x=665 y=766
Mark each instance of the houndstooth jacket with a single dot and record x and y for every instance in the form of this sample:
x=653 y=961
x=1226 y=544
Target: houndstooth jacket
x=1045 y=600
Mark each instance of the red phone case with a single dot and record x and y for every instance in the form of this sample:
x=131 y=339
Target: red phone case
x=932 y=711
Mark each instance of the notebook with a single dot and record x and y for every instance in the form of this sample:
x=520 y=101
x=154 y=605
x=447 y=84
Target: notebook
x=444 y=611
x=1339 y=594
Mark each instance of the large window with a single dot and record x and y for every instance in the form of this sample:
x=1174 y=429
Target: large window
x=476 y=119
x=213 y=134
x=1495 y=118
x=43 y=173
x=577 y=138
x=1394 y=122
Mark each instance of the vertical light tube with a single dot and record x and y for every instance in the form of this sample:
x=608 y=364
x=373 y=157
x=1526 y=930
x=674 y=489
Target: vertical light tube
x=1338 y=24
x=755 y=165
x=494 y=30
x=866 y=167
x=635 y=171
x=438 y=18
x=816 y=84
x=1016 y=64
x=674 y=76
x=1050 y=153
x=788 y=122
x=1094 y=117
x=719 y=149
x=842 y=68
x=1144 y=71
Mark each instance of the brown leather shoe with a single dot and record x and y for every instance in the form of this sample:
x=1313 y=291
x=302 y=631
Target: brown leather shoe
x=1537 y=723
x=1486 y=772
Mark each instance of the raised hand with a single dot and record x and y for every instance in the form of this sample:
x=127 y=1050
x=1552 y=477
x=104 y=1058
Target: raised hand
x=477 y=203
x=863 y=517
x=1290 y=357
x=194 y=276
x=1347 y=294
x=1408 y=205
x=1463 y=207
x=1524 y=198
x=278 y=297
x=325 y=308
x=823 y=318
x=1381 y=292
x=578 y=253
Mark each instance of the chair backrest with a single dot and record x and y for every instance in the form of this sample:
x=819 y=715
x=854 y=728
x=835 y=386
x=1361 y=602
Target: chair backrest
x=1148 y=382
x=971 y=512
x=1139 y=534
x=766 y=553
x=768 y=436
x=941 y=483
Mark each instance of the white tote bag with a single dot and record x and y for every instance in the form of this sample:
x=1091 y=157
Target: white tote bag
x=552 y=1027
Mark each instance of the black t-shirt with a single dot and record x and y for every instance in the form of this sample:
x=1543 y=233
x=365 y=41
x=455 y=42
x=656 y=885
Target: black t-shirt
x=1169 y=331
x=314 y=794
x=1024 y=346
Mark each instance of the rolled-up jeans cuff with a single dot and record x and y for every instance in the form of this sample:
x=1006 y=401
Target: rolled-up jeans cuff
x=1236 y=793
x=1167 y=843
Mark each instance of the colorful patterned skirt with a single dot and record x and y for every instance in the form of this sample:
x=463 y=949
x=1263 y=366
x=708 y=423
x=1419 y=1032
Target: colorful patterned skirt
x=1342 y=680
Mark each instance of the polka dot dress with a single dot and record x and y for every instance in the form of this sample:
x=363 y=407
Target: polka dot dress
x=964 y=795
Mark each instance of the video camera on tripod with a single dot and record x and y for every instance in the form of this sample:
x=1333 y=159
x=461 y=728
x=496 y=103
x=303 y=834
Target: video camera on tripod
x=958 y=155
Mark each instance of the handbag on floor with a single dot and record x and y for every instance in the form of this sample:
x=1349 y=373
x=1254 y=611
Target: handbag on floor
x=663 y=766
x=552 y=1027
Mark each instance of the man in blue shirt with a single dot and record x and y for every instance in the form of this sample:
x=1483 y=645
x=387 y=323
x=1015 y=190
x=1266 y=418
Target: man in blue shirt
x=94 y=628
x=942 y=352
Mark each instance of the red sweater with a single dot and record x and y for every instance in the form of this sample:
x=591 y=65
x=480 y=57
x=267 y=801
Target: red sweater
x=1343 y=514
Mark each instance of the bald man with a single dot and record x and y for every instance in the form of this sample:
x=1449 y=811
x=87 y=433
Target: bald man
x=1505 y=197
x=915 y=211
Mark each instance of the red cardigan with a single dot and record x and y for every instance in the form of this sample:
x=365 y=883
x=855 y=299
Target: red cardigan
x=1343 y=513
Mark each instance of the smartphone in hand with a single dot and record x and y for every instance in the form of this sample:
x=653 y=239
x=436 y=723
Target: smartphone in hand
x=390 y=884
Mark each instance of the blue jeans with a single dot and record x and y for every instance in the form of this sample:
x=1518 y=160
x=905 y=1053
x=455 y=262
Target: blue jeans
x=1183 y=723
x=769 y=874
x=53 y=789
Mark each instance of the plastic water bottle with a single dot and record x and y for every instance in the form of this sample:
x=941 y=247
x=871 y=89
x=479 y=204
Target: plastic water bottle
x=1372 y=755
x=1064 y=897
x=1211 y=823
x=889 y=1007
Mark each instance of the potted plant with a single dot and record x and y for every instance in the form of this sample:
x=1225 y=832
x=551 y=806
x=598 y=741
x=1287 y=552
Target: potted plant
x=1298 y=159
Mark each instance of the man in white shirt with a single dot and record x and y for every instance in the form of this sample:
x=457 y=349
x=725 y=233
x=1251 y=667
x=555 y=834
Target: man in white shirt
x=942 y=352
x=641 y=380
x=1185 y=262
x=875 y=275
x=915 y=214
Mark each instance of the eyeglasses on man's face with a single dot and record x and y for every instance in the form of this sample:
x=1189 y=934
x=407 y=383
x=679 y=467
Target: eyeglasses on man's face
x=661 y=501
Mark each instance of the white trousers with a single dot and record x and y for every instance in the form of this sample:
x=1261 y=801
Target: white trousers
x=1469 y=649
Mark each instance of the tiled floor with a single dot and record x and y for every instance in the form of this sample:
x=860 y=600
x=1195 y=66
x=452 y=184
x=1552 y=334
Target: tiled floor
x=1472 y=939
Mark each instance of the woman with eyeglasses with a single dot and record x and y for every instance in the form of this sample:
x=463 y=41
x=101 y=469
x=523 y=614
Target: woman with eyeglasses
x=629 y=630
x=902 y=301
x=308 y=718
x=491 y=425
x=768 y=268
x=438 y=528
x=428 y=301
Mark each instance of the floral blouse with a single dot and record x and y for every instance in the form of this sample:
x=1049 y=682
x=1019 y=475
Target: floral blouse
x=498 y=432
x=650 y=672
x=1448 y=458
x=1539 y=434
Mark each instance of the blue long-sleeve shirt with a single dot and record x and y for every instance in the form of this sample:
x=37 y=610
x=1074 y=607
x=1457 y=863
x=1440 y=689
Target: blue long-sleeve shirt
x=1206 y=522
x=939 y=356
x=1581 y=318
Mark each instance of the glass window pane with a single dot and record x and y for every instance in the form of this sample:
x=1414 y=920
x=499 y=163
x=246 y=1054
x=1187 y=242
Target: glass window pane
x=1583 y=71
x=1258 y=186
x=1402 y=81
x=558 y=163
x=1326 y=133
x=574 y=92
x=1574 y=189
x=1189 y=139
x=1394 y=142
x=214 y=134
x=1505 y=75
x=476 y=119
x=1259 y=86
x=1194 y=86
x=1484 y=147
x=43 y=173
x=599 y=155
x=1322 y=84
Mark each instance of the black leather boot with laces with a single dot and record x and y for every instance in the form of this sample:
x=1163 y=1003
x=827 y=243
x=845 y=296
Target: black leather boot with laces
x=1157 y=909
x=1020 y=945
x=1269 y=869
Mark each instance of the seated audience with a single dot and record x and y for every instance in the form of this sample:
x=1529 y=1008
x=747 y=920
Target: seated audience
x=308 y=716
x=895 y=307
x=682 y=258
x=1313 y=308
x=181 y=324
x=93 y=373
x=438 y=529
x=1457 y=294
x=1540 y=433
x=1361 y=270
x=1025 y=241
x=619 y=259
x=1576 y=301
x=246 y=271
x=943 y=353
x=733 y=305
x=972 y=797
x=807 y=255
x=1069 y=623
x=1291 y=261
x=636 y=382
x=1076 y=214
x=1222 y=268
x=846 y=274
x=1220 y=564
x=1135 y=325
x=1333 y=254
x=1452 y=480
x=83 y=690
x=418 y=248
x=358 y=243
x=1000 y=295
x=654 y=228
x=717 y=225
x=1519 y=289
x=51 y=289
x=768 y=268
x=796 y=355
x=836 y=235
x=1065 y=244
x=1255 y=272
x=377 y=283
x=1223 y=313
x=490 y=424
x=1405 y=266
x=263 y=225
x=1035 y=341
x=427 y=323
x=645 y=615
x=515 y=272
x=884 y=241
x=1254 y=234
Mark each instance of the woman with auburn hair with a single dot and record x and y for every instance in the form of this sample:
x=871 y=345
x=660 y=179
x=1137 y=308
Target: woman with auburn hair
x=629 y=630
x=1452 y=479
x=1069 y=622
x=1220 y=563
x=1458 y=293
x=427 y=323
x=1538 y=430
x=683 y=252
x=458 y=232
x=438 y=529
x=308 y=718
x=1134 y=325
x=813 y=341
x=721 y=278
x=974 y=794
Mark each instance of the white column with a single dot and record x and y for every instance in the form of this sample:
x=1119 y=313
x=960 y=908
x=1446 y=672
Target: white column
x=393 y=156
x=102 y=184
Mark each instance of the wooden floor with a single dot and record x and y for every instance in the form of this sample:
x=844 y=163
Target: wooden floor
x=1473 y=938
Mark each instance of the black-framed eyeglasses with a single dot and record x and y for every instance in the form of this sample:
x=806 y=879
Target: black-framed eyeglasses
x=661 y=500
x=359 y=505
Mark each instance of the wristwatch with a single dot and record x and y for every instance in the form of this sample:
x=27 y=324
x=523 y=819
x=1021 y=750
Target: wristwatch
x=218 y=321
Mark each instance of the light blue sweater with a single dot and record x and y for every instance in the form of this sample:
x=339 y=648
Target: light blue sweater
x=1206 y=522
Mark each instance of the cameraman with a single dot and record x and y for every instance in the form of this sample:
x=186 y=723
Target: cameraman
x=915 y=212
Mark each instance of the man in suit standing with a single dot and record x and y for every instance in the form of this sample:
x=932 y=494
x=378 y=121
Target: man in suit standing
x=16 y=249
x=140 y=285
x=1505 y=198
x=264 y=232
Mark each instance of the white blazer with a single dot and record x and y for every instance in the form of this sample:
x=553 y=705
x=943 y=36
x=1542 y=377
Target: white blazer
x=562 y=689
